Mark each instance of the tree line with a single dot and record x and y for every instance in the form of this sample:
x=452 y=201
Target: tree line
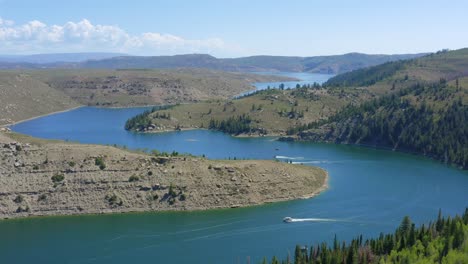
x=366 y=76
x=439 y=131
x=442 y=241
x=234 y=125
x=144 y=119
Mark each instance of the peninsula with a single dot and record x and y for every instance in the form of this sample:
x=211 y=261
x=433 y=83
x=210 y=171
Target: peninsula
x=41 y=177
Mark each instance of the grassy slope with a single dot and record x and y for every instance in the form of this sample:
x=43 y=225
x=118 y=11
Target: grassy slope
x=321 y=103
x=29 y=93
x=148 y=87
x=269 y=109
x=450 y=66
x=431 y=68
x=428 y=125
x=22 y=96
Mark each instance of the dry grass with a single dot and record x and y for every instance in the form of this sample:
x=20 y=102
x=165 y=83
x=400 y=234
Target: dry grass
x=119 y=88
x=268 y=109
x=137 y=182
x=22 y=96
x=30 y=93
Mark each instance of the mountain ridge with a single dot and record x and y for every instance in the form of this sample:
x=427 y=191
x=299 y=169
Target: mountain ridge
x=330 y=64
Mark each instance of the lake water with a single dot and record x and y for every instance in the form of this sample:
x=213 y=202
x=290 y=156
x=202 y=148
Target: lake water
x=304 y=77
x=370 y=191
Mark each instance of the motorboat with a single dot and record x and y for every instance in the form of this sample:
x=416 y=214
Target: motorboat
x=287 y=219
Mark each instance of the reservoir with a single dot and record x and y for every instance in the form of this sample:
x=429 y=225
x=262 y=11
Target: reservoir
x=370 y=191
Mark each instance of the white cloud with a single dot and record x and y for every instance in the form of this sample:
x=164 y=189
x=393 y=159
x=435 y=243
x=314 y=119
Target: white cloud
x=83 y=36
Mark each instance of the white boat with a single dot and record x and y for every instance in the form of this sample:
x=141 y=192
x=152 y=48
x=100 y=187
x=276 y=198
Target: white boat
x=287 y=219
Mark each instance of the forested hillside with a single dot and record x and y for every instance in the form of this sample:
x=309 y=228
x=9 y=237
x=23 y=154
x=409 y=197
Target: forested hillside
x=447 y=65
x=442 y=241
x=413 y=113
x=427 y=119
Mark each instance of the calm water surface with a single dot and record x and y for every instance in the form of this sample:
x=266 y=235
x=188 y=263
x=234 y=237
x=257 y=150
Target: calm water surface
x=304 y=77
x=370 y=191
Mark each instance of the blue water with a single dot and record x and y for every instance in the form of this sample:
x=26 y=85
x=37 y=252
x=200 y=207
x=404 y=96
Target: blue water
x=370 y=191
x=304 y=77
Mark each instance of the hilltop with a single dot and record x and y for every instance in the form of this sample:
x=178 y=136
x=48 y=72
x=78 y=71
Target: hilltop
x=391 y=76
x=48 y=58
x=318 y=64
x=333 y=64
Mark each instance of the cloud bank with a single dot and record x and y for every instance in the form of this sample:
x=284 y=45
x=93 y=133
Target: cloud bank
x=83 y=36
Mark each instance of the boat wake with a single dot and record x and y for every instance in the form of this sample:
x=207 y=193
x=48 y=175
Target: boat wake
x=289 y=158
x=312 y=162
x=296 y=220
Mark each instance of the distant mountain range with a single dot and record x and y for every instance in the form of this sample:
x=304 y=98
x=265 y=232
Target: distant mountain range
x=319 y=64
x=57 y=57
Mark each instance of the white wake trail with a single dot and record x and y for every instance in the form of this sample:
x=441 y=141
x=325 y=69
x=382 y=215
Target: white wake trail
x=293 y=220
x=290 y=158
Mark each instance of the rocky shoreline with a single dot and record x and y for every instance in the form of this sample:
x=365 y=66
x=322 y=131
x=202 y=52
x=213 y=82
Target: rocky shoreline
x=39 y=177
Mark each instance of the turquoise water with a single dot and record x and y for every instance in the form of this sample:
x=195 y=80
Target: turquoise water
x=370 y=191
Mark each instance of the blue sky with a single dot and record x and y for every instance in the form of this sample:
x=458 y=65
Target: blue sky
x=232 y=28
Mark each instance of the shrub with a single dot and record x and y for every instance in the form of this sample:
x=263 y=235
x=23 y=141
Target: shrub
x=71 y=164
x=150 y=173
x=171 y=200
x=42 y=197
x=18 y=199
x=99 y=161
x=172 y=192
x=58 y=178
x=21 y=209
x=133 y=178
x=114 y=200
x=35 y=167
x=182 y=197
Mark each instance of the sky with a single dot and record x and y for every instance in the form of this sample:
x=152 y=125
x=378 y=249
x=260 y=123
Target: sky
x=232 y=28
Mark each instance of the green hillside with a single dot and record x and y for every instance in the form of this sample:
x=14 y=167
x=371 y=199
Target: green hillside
x=443 y=241
x=267 y=112
x=423 y=108
x=400 y=74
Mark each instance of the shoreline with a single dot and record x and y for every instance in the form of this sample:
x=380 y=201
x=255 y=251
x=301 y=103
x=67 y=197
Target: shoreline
x=208 y=184
x=316 y=193
x=44 y=115
x=201 y=128
x=278 y=136
x=380 y=147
